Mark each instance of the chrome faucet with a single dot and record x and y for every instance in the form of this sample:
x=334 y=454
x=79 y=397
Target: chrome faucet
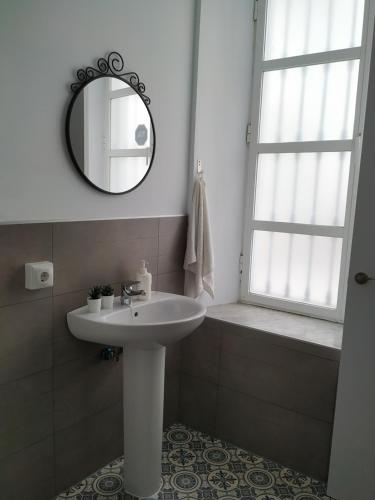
x=127 y=292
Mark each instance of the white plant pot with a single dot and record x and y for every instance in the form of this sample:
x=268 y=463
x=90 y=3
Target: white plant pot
x=107 y=301
x=94 y=305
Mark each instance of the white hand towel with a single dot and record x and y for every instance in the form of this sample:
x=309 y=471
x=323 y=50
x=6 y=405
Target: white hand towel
x=199 y=262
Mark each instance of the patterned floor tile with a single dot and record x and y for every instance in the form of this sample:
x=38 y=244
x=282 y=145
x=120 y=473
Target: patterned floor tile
x=198 y=467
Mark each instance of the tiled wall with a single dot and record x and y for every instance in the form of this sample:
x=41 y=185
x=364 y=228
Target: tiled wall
x=60 y=406
x=269 y=394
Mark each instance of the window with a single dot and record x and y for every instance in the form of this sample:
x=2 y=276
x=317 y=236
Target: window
x=129 y=160
x=118 y=135
x=310 y=64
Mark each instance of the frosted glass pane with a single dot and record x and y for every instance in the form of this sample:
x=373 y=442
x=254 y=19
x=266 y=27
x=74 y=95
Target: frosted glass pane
x=309 y=103
x=296 y=27
x=125 y=173
x=296 y=267
x=128 y=115
x=305 y=188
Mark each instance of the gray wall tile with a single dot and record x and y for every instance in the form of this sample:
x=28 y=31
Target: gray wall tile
x=172 y=227
x=87 y=445
x=119 y=245
x=198 y=403
x=111 y=262
x=297 y=381
x=29 y=474
x=19 y=244
x=171 y=399
x=274 y=400
x=25 y=339
x=26 y=412
x=170 y=263
x=65 y=346
x=101 y=231
x=201 y=354
x=83 y=387
x=265 y=346
x=173 y=358
x=288 y=437
x=171 y=283
x=172 y=244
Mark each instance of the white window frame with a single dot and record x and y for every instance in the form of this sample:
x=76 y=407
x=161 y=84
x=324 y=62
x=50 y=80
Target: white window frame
x=125 y=153
x=354 y=145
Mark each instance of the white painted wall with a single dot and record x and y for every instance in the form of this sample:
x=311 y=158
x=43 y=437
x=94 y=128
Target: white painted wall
x=222 y=101
x=41 y=43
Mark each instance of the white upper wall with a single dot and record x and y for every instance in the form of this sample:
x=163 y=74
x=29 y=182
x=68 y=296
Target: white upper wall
x=224 y=60
x=42 y=44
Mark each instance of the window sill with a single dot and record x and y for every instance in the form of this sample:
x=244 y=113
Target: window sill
x=308 y=333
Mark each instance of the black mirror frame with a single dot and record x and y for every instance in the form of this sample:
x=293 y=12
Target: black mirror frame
x=113 y=67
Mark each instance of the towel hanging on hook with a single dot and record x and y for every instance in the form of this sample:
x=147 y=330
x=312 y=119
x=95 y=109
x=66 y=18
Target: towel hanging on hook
x=199 y=262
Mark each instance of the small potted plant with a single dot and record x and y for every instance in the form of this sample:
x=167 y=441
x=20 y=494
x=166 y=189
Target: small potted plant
x=94 y=300
x=107 y=297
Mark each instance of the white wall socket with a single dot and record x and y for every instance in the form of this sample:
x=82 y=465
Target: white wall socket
x=38 y=275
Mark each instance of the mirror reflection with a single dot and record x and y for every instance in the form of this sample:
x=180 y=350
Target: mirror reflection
x=111 y=135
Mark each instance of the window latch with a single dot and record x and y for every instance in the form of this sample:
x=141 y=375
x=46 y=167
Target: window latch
x=255 y=11
x=241 y=264
x=248 y=133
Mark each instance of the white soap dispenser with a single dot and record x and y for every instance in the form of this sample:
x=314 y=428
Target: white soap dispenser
x=145 y=279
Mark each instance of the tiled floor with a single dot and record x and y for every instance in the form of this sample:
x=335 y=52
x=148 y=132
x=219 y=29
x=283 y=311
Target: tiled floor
x=196 y=466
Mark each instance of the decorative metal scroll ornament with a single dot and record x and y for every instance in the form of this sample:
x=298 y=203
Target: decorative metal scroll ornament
x=112 y=65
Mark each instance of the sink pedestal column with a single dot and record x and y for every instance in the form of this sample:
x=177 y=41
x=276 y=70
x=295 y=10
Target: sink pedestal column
x=143 y=419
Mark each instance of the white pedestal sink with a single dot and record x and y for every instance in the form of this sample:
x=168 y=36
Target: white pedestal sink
x=144 y=330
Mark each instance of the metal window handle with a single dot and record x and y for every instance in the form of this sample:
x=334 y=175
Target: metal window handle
x=362 y=278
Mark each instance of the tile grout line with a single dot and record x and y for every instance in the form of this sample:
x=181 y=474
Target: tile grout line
x=158 y=255
x=19 y=379
x=87 y=417
x=29 y=445
x=27 y=301
x=216 y=419
x=256 y=398
x=179 y=372
x=53 y=379
x=251 y=358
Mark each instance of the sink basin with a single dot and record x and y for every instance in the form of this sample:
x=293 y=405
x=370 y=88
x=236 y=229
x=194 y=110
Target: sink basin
x=144 y=329
x=164 y=319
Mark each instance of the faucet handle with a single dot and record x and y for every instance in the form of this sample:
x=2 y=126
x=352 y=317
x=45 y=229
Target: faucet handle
x=129 y=283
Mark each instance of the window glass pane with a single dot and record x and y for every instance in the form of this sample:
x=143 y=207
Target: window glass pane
x=296 y=267
x=309 y=103
x=296 y=27
x=305 y=188
x=129 y=114
x=125 y=173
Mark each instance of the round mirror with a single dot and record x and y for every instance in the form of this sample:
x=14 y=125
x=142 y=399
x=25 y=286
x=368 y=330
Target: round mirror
x=110 y=134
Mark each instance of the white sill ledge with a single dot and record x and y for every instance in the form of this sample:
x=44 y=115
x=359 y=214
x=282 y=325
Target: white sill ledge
x=293 y=326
